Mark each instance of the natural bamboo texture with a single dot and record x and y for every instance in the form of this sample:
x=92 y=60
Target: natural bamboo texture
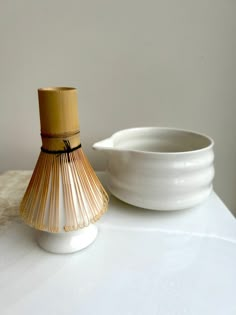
x=58 y=108
x=59 y=117
x=64 y=193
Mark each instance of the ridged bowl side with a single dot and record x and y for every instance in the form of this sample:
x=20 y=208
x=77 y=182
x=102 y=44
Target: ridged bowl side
x=161 y=181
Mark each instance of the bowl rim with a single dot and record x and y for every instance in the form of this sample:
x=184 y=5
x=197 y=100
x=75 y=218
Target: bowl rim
x=195 y=133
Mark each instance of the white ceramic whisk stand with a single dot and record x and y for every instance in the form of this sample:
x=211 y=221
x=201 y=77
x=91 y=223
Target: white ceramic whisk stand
x=67 y=242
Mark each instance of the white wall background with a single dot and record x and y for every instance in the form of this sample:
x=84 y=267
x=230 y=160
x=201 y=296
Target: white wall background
x=135 y=63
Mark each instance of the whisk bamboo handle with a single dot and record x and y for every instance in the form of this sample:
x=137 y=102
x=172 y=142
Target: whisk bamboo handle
x=59 y=120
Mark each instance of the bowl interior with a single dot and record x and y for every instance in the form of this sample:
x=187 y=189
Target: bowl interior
x=162 y=140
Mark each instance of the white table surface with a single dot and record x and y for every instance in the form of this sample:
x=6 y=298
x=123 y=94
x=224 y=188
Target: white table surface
x=143 y=262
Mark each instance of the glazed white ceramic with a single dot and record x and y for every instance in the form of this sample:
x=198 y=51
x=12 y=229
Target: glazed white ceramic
x=159 y=168
x=68 y=242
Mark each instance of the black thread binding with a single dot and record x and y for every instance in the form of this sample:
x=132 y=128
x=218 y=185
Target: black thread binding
x=67 y=149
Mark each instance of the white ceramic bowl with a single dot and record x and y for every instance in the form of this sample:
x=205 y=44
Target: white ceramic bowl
x=159 y=168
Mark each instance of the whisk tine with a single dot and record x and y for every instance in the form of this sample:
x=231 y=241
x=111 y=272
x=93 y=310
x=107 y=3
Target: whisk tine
x=83 y=215
x=84 y=206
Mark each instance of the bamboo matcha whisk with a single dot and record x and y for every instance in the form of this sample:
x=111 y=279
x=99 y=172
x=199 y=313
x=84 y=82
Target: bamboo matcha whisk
x=64 y=193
